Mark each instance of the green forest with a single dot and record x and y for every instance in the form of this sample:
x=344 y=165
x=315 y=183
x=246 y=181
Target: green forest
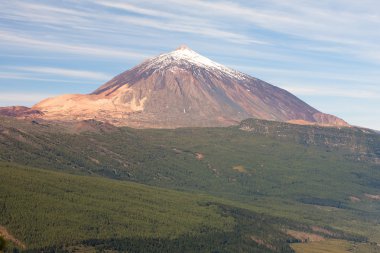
x=234 y=189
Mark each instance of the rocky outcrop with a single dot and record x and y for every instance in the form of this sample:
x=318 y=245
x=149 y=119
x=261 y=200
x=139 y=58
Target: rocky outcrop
x=328 y=120
x=20 y=112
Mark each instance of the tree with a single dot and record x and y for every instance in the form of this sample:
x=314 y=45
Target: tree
x=3 y=243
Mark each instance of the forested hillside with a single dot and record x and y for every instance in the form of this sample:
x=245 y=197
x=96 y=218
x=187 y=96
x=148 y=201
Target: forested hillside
x=298 y=176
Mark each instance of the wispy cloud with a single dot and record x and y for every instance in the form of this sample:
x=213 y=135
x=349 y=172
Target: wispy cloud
x=136 y=9
x=359 y=78
x=332 y=92
x=191 y=24
x=92 y=75
x=311 y=20
x=24 y=41
x=13 y=98
x=26 y=76
x=98 y=20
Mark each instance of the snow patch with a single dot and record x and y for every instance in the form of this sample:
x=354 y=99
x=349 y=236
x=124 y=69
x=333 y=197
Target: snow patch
x=185 y=56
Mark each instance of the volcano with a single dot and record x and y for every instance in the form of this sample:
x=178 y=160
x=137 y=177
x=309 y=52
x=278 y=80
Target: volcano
x=183 y=89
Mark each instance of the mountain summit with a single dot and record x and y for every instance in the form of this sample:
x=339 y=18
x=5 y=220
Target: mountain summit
x=183 y=89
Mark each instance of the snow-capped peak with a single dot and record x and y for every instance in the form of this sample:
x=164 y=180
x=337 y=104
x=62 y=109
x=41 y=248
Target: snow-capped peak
x=183 y=55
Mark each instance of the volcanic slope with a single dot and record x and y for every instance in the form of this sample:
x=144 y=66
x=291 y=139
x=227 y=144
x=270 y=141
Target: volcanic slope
x=183 y=89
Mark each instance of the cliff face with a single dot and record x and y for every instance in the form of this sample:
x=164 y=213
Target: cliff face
x=362 y=144
x=183 y=89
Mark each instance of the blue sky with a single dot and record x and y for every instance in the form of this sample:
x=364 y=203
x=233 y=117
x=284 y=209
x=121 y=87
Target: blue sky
x=326 y=52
